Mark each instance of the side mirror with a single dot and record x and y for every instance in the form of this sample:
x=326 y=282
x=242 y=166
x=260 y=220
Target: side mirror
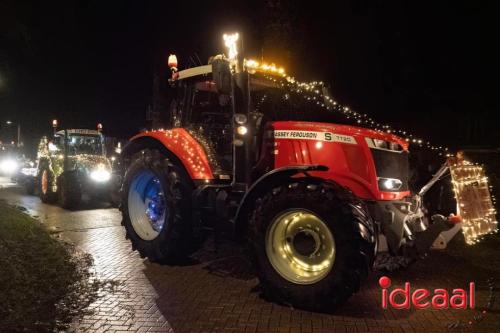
x=221 y=74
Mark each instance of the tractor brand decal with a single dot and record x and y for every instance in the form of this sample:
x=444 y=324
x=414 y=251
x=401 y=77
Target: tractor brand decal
x=313 y=135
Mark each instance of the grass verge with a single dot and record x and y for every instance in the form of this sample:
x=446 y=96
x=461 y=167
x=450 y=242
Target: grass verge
x=44 y=282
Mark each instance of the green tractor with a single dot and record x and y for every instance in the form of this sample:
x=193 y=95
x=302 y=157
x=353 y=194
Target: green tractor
x=72 y=164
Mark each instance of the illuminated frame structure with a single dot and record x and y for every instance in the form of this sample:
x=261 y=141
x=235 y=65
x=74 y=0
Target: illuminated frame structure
x=474 y=203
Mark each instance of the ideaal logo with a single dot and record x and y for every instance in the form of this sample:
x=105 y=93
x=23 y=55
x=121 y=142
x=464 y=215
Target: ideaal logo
x=404 y=298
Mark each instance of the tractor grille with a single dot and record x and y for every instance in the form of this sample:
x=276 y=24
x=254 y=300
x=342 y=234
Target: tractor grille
x=390 y=164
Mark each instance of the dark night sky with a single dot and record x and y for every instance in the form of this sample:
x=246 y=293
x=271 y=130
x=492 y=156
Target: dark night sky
x=428 y=68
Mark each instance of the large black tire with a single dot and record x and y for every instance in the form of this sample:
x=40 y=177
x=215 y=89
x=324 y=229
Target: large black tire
x=46 y=193
x=343 y=214
x=70 y=192
x=114 y=196
x=175 y=241
x=30 y=185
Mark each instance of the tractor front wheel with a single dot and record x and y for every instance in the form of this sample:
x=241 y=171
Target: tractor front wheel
x=70 y=193
x=46 y=190
x=313 y=243
x=156 y=207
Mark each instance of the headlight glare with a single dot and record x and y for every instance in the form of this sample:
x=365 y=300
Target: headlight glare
x=100 y=175
x=8 y=166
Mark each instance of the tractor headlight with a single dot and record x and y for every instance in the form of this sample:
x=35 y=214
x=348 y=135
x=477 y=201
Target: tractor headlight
x=240 y=119
x=8 y=166
x=381 y=144
x=29 y=172
x=242 y=130
x=389 y=184
x=100 y=175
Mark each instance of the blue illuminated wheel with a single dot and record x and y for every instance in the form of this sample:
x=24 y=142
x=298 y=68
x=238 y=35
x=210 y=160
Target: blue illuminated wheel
x=147 y=205
x=156 y=207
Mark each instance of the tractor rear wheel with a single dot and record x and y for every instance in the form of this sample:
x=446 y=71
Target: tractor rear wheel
x=156 y=207
x=313 y=243
x=46 y=190
x=70 y=193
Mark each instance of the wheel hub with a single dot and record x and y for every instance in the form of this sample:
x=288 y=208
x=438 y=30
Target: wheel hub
x=305 y=243
x=155 y=203
x=147 y=205
x=300 y=246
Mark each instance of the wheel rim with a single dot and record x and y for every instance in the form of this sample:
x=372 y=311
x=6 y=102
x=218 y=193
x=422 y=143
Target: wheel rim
x=45 y=182
x=300 y=246
x=147 y=206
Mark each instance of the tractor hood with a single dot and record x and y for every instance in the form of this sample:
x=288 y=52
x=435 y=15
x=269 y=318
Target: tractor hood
x=372 y=164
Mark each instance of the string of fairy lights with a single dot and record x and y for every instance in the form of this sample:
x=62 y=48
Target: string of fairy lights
x=314 y=92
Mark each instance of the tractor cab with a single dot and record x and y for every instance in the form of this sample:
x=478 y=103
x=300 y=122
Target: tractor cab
x=75 y=142
x=232 y=121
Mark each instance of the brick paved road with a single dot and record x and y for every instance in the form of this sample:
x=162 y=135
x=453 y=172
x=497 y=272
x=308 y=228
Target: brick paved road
x=217 y=292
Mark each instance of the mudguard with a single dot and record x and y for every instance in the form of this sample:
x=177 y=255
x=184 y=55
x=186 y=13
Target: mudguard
x=265 y=182
x=180 y=145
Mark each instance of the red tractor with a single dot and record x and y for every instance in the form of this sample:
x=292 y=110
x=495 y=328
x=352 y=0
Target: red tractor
x=311 y=199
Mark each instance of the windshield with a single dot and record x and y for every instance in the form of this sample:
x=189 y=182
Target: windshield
x=85 y=144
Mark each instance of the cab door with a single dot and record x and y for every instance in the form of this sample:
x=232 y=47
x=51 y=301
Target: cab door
x=209 y=119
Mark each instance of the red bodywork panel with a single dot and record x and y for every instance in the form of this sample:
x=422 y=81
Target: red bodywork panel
x=186 y=148
x=342 y=148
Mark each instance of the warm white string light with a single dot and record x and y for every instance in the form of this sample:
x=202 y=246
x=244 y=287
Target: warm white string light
x=312 y=91
x=230 y=43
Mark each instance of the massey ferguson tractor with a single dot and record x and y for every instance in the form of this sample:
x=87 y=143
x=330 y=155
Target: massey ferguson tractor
x=314 y=200
x=72 y=164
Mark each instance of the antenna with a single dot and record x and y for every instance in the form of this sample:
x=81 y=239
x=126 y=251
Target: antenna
x=199 y=61
x=192 y=61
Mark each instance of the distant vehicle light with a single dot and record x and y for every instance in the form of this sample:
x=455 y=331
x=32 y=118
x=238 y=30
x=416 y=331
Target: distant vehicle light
x=8 y=166
x=100 y=175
